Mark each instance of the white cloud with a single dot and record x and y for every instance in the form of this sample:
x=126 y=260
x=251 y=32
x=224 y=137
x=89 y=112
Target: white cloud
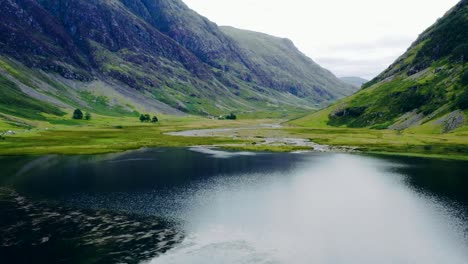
x=369 y=33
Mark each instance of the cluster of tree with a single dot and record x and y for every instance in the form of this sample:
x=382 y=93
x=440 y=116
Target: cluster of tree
x=463 y=100
x=78 y=114
x=231 y=116
x=146 y=118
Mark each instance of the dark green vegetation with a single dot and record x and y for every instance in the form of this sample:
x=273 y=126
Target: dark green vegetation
x=425 y=89
x=77 y=114
x=127 y=56
x=147 y=118
x=231 y=116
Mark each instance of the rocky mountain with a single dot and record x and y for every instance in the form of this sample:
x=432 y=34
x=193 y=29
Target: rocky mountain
x=122 y=56
x=354 y=81
x=424 y=89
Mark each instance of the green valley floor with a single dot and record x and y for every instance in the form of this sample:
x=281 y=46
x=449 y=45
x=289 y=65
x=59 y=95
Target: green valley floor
x=105 y=134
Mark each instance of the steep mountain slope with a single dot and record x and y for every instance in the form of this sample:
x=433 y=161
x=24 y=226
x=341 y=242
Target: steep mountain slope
x=354 y=81
x=290 y=68
x=117 y=57
x=426 y=89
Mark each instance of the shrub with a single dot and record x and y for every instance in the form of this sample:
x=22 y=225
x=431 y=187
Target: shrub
x=88 y=116
x=77 y=114
x=460 y=53
x=464 y=78
x=428 y=147
x=154 y=119
x=351 y=111
x=463 y=100
x=145 y=118
x=231 y=116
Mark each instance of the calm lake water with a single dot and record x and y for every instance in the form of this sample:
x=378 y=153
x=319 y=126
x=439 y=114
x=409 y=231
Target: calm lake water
x=209 y=206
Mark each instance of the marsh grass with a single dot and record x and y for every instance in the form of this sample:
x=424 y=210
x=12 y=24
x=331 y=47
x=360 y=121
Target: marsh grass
x=105 y=134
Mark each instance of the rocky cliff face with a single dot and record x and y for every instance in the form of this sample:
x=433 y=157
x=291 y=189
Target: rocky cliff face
x=158 y=50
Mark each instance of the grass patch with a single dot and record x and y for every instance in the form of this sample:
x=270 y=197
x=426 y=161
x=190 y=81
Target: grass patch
x=105 y=134
x=389 y=141
x=14 y=102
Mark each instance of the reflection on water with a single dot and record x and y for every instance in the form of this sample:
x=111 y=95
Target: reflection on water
x=270 y=208
x=134 y=171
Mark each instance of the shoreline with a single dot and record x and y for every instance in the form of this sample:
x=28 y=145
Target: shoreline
x=237 y=136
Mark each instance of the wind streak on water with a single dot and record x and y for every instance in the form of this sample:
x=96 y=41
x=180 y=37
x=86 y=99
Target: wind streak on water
x=331 y=209
x=216 y=153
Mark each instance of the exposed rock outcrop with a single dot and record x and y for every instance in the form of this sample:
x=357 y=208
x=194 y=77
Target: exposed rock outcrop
x=451 y=121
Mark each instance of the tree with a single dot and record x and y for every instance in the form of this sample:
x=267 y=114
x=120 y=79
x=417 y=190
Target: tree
x=145 y=118
x=155 y=119
x=88 y=116
x=77 y=114
x=231 y=116
x=463 y=100
x=464 y=79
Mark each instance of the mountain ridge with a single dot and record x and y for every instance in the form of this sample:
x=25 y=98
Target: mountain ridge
x=145 y=55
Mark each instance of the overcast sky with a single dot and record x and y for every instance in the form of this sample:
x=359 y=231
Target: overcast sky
x=348 y=37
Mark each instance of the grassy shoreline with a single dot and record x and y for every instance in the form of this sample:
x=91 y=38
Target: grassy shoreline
x=110 y=135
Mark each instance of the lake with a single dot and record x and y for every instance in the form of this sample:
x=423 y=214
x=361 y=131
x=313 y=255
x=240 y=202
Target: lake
x=199 y=205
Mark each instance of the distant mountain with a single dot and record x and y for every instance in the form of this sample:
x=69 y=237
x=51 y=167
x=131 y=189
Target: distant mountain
x=425 y=89
x=121 y=56
x=354 y=81
x=291 y=69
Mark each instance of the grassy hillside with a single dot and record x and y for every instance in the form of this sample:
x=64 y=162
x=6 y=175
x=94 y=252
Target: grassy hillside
x=425 y=90
x=14 y=102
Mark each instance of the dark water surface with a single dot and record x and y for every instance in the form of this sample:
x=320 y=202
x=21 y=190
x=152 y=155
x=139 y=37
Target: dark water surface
x=209 y=206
